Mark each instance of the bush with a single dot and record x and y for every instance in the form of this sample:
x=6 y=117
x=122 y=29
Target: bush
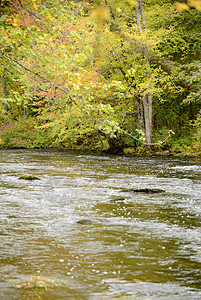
x=24 y=133
x=196 y=146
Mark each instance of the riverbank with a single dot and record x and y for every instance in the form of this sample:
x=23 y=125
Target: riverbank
x=88 y=150
x=27 y=134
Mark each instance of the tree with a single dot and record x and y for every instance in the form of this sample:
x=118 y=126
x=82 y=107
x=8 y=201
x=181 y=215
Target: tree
x=11 y=96
x=5 y=94
x=146 y=64
x=145 y=99
x=120 y=69
x=131 y=58
x=4 y=11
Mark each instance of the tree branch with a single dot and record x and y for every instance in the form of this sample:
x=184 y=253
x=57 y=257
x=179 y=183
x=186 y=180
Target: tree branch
x=67 y=92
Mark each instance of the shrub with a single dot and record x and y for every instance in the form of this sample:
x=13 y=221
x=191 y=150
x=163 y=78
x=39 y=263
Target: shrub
x=24 y=133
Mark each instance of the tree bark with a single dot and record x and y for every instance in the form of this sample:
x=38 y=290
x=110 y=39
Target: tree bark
x=140 y=112
x=142 y=14
x=145 y=105
x=5 y=94
x=137 y=12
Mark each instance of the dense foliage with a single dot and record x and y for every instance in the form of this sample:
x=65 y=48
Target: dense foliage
x=104 y=74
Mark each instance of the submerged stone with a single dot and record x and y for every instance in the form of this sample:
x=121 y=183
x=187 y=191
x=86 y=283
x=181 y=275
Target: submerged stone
x=84 y=222
x=145 y=191
x=42 y=282
x=117 y=200
x=29 y=177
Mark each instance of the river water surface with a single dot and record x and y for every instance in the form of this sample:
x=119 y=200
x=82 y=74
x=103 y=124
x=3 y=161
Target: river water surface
x=139 y=246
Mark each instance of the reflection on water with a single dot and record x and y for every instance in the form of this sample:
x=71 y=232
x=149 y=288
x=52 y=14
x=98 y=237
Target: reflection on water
x=145 y=246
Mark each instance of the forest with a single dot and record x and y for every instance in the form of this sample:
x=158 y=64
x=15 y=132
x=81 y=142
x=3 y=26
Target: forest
x=119 y=76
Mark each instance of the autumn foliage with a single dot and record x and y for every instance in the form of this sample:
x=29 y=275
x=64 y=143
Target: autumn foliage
x=101 y=73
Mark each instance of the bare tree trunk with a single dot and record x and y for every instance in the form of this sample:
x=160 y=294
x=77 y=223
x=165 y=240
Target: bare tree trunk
x=140 y=113
x=147 y=104
x=5 y=94
x=142 y=15
x=137 y=12
x=146 y=96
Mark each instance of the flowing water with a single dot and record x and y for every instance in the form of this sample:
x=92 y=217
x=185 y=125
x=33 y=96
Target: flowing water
x=138 y=246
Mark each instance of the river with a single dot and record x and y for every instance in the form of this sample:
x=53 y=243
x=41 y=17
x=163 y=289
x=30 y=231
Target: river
x=139 y=246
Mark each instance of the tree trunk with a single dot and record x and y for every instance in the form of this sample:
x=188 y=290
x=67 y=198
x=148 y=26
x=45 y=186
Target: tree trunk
x=137 y=12
x=145 y=104
x=140 y=112
x=5 y=94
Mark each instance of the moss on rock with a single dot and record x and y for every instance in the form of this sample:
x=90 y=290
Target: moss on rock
x=29 y=177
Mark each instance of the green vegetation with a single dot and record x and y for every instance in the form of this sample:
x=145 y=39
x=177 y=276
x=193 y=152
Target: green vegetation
x=29 y=177
x=105 y=74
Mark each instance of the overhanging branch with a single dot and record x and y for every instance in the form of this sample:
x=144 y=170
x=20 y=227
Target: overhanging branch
x=18 y=64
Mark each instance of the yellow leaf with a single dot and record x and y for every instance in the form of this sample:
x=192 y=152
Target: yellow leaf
x=118 y=9
x=1 y=141
x=195 y=3
x=132 y=2
x=180 y=7
x=35 y=5
x=101 y=13
x=49 y=16
x=7 y=39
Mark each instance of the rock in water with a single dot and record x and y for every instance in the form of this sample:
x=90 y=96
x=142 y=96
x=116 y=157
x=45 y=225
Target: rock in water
x=29 y=177
x=148 y=191
x=145 y=191
x=117 y=200
x=84 y=222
